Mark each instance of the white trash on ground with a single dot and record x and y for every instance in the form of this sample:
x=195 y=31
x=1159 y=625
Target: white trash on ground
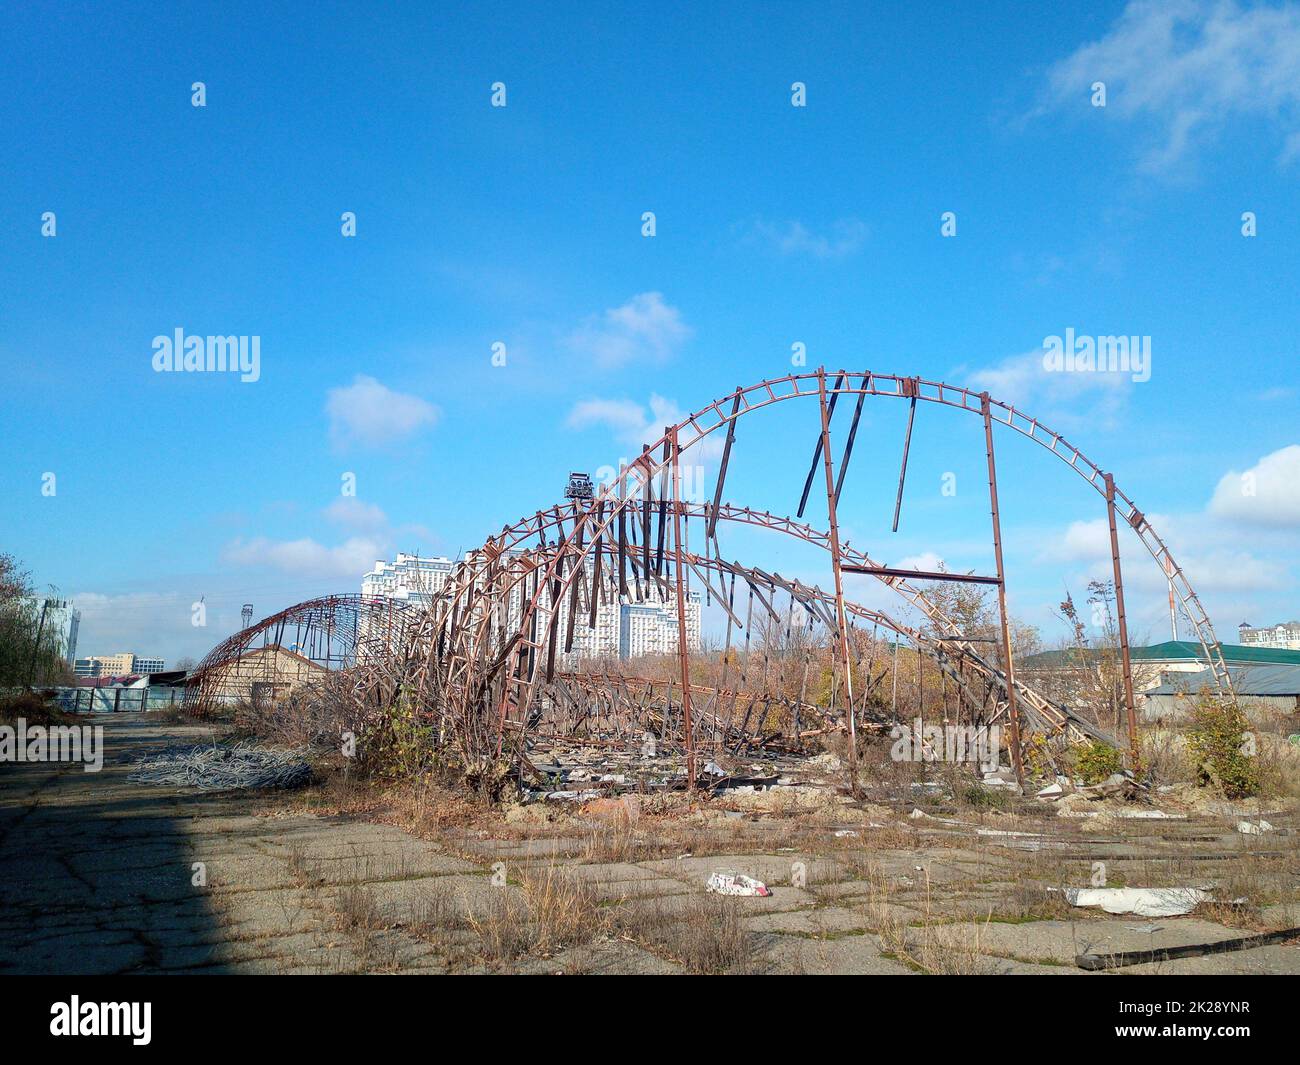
x=737 y=884
x=1145 y=902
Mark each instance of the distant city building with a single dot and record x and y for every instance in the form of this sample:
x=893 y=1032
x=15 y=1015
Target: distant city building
x=410 y=578
x=59 y=621
x=120 y=665
x=70 y=635
x=624 y=626
x=86 y=667
x=1285 y=636
x=650 y=628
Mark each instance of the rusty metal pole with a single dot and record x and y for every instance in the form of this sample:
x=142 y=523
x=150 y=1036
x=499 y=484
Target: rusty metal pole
x=1129 y=705
x=683 y=652
x=1012 y=707
x=841 y=619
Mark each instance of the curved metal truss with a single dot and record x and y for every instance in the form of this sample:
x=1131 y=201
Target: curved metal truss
x=494 y=632
x=490 y=661
x=517 y=569
x=368 y=640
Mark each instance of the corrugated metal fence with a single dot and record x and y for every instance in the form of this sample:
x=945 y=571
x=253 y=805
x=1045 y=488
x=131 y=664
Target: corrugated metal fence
x=118 y=700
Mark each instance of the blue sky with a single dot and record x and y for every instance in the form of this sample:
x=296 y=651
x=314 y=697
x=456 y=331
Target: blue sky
x=522 y=224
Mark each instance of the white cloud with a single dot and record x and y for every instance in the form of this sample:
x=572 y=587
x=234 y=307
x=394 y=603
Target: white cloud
x=351 y=513
x=1221 y=572
x=1189 y=68
x=1022 y=381
x=306 y=557
x=927 y=560
x=625 y=416
x=1212 y=570
x=845 y=237
x=645 y=327
x=372 y=537
x=1082 y=541
x=631 y=423
x=1266 y=494
x=1225 y=570
x=368 y=413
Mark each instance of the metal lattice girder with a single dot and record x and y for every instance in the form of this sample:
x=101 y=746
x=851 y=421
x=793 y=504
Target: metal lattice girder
x=478 y=654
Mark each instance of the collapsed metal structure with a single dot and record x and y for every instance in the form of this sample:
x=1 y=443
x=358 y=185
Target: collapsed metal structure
x=487 y=663
x=364 y=642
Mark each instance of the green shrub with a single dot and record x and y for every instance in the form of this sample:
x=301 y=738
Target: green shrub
x=400 y=746
x=1097 y=762
x=1216 y=736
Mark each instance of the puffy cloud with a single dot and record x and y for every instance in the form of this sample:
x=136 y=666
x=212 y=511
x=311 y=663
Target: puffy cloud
x=1266 y=494
x=148 y=623
x=927 y=560
x=1082 y=541
x=371 y=414
x=351 y=513
x=1024 y=382
x=631 y=423
x=643 y=328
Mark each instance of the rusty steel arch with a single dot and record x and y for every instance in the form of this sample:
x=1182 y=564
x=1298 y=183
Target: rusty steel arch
x=949 y=652
x=521 y=563
x=639 y=477
x=368 y=640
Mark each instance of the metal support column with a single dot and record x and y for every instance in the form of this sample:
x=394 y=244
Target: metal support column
x=1129 y=707
x=1012 y=708
x=683 y=652
x=841 y=619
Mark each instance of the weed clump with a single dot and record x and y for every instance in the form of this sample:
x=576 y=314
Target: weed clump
x=1219 y=745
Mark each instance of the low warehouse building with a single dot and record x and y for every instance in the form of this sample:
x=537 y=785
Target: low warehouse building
x=1265 y=687
x=262 y=675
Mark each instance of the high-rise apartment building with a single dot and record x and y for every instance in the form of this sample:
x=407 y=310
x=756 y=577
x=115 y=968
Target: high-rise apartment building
x=410 y=578
x=625 y=627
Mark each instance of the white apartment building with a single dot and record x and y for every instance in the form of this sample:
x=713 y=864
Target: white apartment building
x=650 y=627
x=624 y=627
x=1285 y=636
x=410 y=578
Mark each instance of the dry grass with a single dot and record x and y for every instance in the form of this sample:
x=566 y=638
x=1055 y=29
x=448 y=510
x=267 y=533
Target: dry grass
x=501 y=927
x=938 y=949
x=565 y=909
x=705 y=936
x=618 y=840
x=552 y=910
x=353 y=910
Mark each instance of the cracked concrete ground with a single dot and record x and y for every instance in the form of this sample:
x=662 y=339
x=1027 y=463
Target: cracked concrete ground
x=102 y=876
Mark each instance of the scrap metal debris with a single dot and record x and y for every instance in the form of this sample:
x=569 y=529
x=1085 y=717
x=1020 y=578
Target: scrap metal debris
x=215 y=767
x=1094 y=962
